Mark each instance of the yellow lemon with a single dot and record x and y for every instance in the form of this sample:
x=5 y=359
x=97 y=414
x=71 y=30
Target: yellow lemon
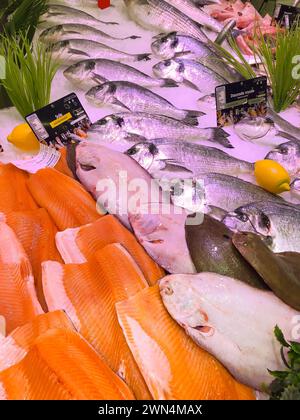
x=272 y=176
x=23 y=138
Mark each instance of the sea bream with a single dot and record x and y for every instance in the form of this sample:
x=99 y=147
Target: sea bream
x=122 y=187
x=288 y=155
x=131 y=97
x=231 y=320
x=58 y=14
x=71 y=30
x=164 y=157
x=278 y=223
x=89 y=73
x=158 y=15
x=73 y=50
x=190 y=72
x=127 y=128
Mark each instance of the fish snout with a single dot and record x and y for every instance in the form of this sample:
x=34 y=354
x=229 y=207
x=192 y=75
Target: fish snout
x=165 y=287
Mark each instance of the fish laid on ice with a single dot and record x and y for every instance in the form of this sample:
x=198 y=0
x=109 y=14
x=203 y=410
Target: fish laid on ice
x=222 y=315
x=16 y=345
x=78 y=245
x=58 y=14
x=288 y=155
x=278 y=223
x=190 y=72
x=155 y=232
x=175 y=45
x=283 y=126
x=67 y=202
x=280 y=271
x=88 y=293
x=173 y=366
x=128 y=127
x=164 y=157
x=212 y=251
x=74 y=30
x=89 y=73
x=61 y=365
x=159 y=15
x=73 y=50
x=18 y=300
x=131 y=97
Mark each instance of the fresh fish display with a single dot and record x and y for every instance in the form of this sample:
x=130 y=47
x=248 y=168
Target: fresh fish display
x=134 y=98
x=74 y=50
x=283 y=126
x=173 y=366
x=190 y=9
x=67 y=202
x=255 y=129
x=164 y=157
x=231 y=320
x=72 y=30
x=190 y=72
x=78 y=245
x=89 y=73
x=159 y=15
x=212 y=251
x=155 y=232
x=130 y=128
x=175 y=45
x=109 y=277
x=280 y=271
x=277 y=223
x=288 y=155
x=57 y=14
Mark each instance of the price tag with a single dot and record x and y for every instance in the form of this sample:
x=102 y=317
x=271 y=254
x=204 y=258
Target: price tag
x=235 y=101
x=103 y=4
x=286 y=15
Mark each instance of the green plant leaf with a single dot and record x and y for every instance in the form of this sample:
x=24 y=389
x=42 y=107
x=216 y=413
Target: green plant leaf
x=280 y=337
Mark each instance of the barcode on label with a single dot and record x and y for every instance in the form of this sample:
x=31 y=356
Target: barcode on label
x=37 y=127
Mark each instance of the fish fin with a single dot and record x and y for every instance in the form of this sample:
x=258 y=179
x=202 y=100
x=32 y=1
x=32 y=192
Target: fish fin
x=135 y=138
x=78 y=52
x=191 y=117
x=220 y=136
x=143 y=57
x=169 y=83
x=159 y=35
x=190 y=84
x=182 y=54
x=216 y=212
x=115 y=101
x=175 y=166
x=99 y=79
x=285 y=135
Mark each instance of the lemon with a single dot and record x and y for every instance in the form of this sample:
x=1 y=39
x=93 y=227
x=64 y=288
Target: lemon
x=272 y=176
x=23 y=138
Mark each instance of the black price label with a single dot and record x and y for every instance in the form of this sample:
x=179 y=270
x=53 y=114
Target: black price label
x=286 y=15
x=238 y=100
x=60 y=122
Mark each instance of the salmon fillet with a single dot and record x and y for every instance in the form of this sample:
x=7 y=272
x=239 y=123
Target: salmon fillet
x=67 y=202
x=172 y=365
x=88 y=293
x=61 y=365
x=80 y=244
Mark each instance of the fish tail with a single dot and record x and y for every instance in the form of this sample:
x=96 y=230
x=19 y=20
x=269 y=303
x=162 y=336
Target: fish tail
x=168 y=83
x=143 y=57
x=193 y=115
x=220 y=136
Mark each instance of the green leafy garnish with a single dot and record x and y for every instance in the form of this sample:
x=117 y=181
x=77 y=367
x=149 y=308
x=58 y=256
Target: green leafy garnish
x=286 y=385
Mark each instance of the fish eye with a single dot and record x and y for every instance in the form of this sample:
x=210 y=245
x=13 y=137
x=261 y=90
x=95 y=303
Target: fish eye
x=103 y=121
x=131 y=151
x=87 y=168
x=90 y=65
x=265 y=221
x=284 y=150
x=242 y=217
x=168 y=63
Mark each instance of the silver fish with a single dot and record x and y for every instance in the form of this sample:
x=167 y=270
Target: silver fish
x=231 y=320
x=195 y=13
x=174 y=45
x=192 y=73
x=71 y=30
x=58 y=14
x=89 y=73
x=160 y=15
x=74 y=50
x=283 y=126
x=288 y=155
x=132 y=97
x=146 y=209
x=278 y=223
x=131 y=127
x=164 y=157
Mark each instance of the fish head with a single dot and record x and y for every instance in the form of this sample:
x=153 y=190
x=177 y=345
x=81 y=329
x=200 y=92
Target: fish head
x=52 y=34
x=102 y=94
x=144 y=153
x=184 y=298
x=166 y=46
x=109 y=128
x=253 y=128
x=59 y=49
x=288 y=155
x=249 y=219
x=170 y=69
x=82 y=71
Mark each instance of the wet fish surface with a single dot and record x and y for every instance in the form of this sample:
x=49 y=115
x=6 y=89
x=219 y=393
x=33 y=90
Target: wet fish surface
x=136 y=126
x=74 y=50
x=133 y=98
x=288 y=155
x=90 y=73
